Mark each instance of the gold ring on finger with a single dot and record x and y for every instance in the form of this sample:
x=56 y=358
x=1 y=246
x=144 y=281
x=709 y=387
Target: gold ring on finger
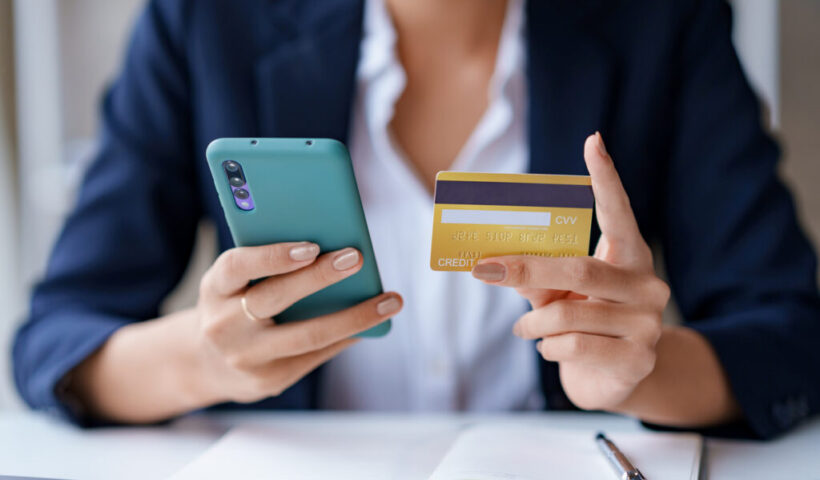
x=244 y=302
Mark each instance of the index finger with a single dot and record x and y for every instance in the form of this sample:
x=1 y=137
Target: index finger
x=614 y=212
x=584 y=275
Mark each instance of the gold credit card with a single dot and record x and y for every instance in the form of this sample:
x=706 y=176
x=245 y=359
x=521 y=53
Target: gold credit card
x=481 y=215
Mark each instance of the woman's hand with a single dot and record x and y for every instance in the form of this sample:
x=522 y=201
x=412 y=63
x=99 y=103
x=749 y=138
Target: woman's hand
x=599 y=317
x=246 y=355
x=216 y=352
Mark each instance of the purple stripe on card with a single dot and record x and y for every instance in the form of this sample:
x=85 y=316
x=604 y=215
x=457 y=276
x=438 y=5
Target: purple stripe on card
x=520 y=194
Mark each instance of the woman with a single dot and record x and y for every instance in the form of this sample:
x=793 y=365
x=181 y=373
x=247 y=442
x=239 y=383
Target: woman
x=405 y=84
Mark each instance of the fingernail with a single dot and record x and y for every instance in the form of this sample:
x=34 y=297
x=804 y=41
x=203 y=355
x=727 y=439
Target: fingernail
x=347 y=258
x=305 y=251
x=490 y=272
x=538 y=345
x=601 y=146
x=388 y=306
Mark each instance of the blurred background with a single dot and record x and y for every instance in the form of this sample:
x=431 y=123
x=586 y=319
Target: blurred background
x=57 y=56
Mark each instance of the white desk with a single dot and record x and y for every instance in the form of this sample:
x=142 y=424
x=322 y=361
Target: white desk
x=36 y=445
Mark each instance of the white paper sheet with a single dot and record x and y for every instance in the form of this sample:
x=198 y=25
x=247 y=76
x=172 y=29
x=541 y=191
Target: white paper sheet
x=517 y=452
x=399 y=450
x=386 y=450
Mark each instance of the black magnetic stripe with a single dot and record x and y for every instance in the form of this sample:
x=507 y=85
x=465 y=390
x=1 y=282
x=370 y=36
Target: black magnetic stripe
x=520 y=194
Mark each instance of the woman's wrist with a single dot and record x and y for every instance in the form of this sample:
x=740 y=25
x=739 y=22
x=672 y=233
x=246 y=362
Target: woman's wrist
x=190 y=375
x=687 y=387
x=146 y=372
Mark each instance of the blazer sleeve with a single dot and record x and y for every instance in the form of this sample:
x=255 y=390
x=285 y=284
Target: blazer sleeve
x=743 y=272
x=128 y=240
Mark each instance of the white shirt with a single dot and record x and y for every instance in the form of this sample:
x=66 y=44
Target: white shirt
x=451 y=347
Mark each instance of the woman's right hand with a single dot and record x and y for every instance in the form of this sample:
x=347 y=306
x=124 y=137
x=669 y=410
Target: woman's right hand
x=215 y=352
x=248 y=357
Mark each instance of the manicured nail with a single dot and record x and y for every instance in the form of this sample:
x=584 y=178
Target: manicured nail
x=490 y=272
x=601 y=146
x=388 y=306
x=517 y=329
x=538 y=345
x=347 y=258
x=304 y=251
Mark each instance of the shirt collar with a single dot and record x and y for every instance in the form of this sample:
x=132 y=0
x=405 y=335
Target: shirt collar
x=378 y=49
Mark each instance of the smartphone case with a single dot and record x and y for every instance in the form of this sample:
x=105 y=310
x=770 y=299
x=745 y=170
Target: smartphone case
x=303 y=190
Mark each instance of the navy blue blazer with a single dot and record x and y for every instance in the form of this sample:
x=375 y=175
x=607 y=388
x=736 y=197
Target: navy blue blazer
x=659 y=79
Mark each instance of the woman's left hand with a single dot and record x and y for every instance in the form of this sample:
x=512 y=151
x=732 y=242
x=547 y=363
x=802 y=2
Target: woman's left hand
x=599 y=317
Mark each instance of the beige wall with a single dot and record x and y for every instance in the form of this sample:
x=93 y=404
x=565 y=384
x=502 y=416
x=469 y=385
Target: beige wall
x=95 y=26
x=11 y=293
x=800 y=103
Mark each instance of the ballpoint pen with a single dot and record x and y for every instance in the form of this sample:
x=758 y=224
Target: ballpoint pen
x=623 y=467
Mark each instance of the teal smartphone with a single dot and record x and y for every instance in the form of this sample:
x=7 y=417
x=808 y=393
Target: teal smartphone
x=297 y=189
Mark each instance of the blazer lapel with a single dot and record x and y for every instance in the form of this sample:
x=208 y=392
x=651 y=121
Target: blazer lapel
x=306 y=83
x=570 y=84
x=305 y=86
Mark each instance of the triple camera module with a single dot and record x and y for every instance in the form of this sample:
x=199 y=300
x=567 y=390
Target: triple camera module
x=239 y=185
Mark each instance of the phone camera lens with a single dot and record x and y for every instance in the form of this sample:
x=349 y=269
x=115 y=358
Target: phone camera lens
x=309 y=142
x=236 y=181
x=231 y=166
x=241 y=193
x=254 y=142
